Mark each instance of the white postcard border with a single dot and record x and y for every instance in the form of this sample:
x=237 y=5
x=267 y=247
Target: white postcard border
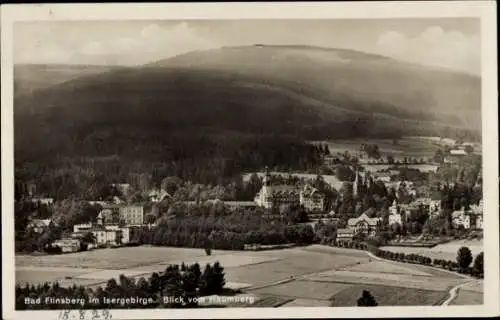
x=485 y=10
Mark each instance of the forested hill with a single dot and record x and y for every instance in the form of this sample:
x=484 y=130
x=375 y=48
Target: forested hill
x=238 y=108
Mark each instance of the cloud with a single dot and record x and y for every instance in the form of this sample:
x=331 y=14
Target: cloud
x=153 y=42
x=129 y=46
x=434 y=46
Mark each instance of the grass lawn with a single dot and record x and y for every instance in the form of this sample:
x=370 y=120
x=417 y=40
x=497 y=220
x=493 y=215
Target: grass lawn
x=269 y=302
x=307 y=303
x=389 y=296
x=304 y=290
x=120 y=258
x=447 y=251
x=387 y=267
x=395 y=280
x=41 y=276
x=293 y=262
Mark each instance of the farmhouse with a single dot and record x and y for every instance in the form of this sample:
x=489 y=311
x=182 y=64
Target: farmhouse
x=311 y=199
x=364 y=224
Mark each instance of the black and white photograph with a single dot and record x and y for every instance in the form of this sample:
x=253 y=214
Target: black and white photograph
x=208 y=164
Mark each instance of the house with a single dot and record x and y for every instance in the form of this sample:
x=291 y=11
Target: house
x=45 y=201
x=364 y=224
x=132 y=214
x=39 y=225
x=104 y=234
x=311 y=199
x=458 y=152
x=276 y=196
x=394 y=214
x=108 y=216
x=83 y=227
x=107 y=236
x=431 y=204
x=344 y=235
x=455 y=156
x=461 y=218
x=67 y=245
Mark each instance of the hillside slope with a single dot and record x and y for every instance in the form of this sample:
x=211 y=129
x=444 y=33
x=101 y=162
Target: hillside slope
x=32 y=77
x=351 y=80
x=312 y=93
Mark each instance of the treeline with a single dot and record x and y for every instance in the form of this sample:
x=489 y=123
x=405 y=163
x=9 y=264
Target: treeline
x=217 y=227
x=215 y=160
x=186 y=283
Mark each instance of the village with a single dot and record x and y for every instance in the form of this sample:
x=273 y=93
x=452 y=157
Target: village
x=370 y=196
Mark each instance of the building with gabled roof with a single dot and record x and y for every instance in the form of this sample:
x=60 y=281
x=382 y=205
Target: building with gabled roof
x=311 y=199
x=364 y=224
x=271 y=196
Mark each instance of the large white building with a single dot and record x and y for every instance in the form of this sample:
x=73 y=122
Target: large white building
x=103 y=234
x=132 y=214
x=278 y=196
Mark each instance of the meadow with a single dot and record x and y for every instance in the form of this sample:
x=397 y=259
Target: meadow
x=405 y=146
x=304 y=276
x=447 y=251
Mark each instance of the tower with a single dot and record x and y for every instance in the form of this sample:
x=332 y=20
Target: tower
x=356 y=183
x=266 y=192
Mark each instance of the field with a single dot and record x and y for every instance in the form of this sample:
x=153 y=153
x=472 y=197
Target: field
x=447 y=251
x=404 y=147
x=470 y=294
x=389 y=296
x=307 y=276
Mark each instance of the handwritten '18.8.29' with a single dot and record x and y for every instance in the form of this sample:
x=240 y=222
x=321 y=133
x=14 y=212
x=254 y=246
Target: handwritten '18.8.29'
x=84 y=315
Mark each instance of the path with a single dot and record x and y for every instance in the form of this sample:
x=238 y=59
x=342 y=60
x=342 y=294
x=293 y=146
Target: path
x=454 y=292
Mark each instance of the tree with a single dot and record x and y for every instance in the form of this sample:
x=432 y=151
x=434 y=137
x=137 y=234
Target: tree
x=367 y=300
x=390 y=159
x=89 y=238
x=478 y=267
x=218 y=280
x=464 y=257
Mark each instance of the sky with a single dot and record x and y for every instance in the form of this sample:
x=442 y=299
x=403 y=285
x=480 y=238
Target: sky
x=452 y=43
